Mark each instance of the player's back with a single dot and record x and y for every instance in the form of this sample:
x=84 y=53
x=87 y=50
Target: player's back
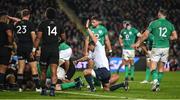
x=3 y=35
x=161 y=29
x=23 y=31
x=50 y=32
x=99 y=56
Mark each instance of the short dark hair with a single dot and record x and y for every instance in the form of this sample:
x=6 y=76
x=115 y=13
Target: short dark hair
x=50 y=13
x=95 y=18
x=163 y=11
x=25 y=12
x=126 y=22
x=92 y=43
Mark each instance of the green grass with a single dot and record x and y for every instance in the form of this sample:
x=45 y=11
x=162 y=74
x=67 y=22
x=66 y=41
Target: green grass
x=170 y=89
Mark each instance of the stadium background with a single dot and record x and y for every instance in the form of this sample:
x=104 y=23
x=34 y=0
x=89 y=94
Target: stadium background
x=74 y=13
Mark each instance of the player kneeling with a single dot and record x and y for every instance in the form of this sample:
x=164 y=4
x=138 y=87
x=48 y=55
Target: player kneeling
x=102 y=72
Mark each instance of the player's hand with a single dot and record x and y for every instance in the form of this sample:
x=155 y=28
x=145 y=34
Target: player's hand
x=110 y=53
x=135 y=46
x=87 y=23
x=122 y=45
x=32 y=55
x=75 y=62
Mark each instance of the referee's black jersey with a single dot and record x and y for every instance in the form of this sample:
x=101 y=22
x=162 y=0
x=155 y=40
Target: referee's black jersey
x=51 y=30
x=3 y=35
x=23 y=31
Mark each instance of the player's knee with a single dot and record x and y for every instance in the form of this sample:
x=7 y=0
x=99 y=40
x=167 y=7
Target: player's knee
x=115 y=76
x=86 y=72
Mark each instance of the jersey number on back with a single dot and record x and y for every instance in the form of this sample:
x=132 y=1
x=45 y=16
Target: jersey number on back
x=21 y=29
x=162 y=31
x=52 y=31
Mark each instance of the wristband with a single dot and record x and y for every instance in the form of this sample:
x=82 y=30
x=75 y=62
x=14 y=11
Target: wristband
x=110 y=50
x=34 y=49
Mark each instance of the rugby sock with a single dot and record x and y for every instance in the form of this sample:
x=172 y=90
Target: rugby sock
x=126 y=71
x=36 y=80
x=43 y=84
x=160 y=75
x=115 y=87
x=68 y=85
x=52 y=87
x=132 y=71
x=20 y=80
x=96 y=82
x=90 y=81
x=154 y=74
x=2 y=76
x=77 y=79
x=148 y=72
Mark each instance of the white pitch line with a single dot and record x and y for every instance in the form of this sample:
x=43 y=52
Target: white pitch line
x=89 y=94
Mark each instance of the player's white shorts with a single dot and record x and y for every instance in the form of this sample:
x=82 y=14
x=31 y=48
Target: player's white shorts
x=65 y=54
x=159 y=54
x=128 y=54
x=61 y=74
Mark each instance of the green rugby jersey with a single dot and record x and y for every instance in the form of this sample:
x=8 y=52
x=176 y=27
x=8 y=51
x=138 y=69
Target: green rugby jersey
x=63 y=46
x=161 y=29
x=129 y=36
x=149 y=41
x=100 y=31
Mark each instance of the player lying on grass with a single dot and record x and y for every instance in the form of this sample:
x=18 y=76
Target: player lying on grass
x=102 y=72
x=65 y=81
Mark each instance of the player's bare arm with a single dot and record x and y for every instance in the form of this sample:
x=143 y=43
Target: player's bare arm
x=121 y=42
x=33 y=36
x=173 y=35
x=85 y=51
x=108 y=44
x=142 y=38
x=81 y=59
x=93 y=37
x=14 y=19
x=10 y=36
x=36 y=43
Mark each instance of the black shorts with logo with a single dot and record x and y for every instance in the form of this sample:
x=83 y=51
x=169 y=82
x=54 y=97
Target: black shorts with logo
x=49 y=55
x=103 y=75
x=5 y=55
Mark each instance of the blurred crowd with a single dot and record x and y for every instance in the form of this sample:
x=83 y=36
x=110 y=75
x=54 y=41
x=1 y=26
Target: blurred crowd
x=37 y=8
x=112 y=13
x=139 y=12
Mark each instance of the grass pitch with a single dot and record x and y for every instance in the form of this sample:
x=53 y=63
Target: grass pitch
x=170 y=89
